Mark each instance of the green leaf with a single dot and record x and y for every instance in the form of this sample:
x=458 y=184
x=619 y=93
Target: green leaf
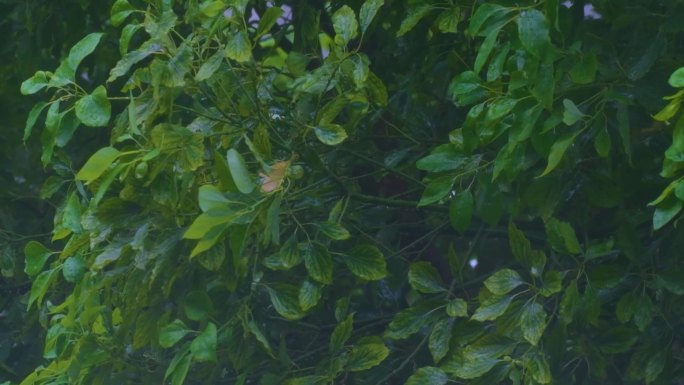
x=32 y=118
x=341 y=334
x=34 y=84
x=447 y=22
x=602 y=143
x=78 y=52
x=409 y=321
x=533 y=322
x=203 y=347
x=318 y=263
x=369 y=9
x=469 y=366
x=538 y=367
x=94 y=110
x=562 y=236
x=584 y=70
x=345 y=25
x=239 y=172
x=40 y=286
x=457 y=307
x=285 y=300
x=197 y=305
x=120 y=11
x=665 y=212
x=439 y=339
x=461 y=211
x=259 y=335
x=73 y=269
x=309 y=294
x=170 y=334
x=422 y=276
x=268 y=20
x=210 y=66
x=571 y=114
x=485 y=50
x=484 y=13
x=557 y=151
x=208 y=224
x=179 y=367
x=569 y=303
x=415 y=14
x=491 y=308
x=642 y=61
x=97 y=164
x=534 y=33
x=428 y=375
x=503 y=281
x=677 y=78
x=130 y=59
x=210 y=197
x=436 y=190
x=36 y=255
x=334 y=231
x=239 y=48
x=672 y=281
x=442 y=161
x=364 y=356
x=366 y=262
x=306 y=380
x=330 y=133
x=126 y=36
x=286 y=258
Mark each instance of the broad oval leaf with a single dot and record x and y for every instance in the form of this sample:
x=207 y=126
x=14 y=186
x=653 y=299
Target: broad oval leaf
x=492 y=308
x=97 y=164
x=503 y=281
x=366 y=262
x=309 y=294
x=34 y=84
x=330 y=133
x=285 y=300
x=94 y=110
x=534 y=33
x=368 y=10
x=345 y=25
x=239 y=48
x=318 y=263
x=364 y=356
x=36 y=255
x=461 y=210
x=436 y=190
x=341 y=334
x=197 y=305
x=203 y=347
x=440 y=338
x=533 y=322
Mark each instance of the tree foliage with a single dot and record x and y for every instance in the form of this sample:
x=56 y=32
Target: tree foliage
x=355 y=192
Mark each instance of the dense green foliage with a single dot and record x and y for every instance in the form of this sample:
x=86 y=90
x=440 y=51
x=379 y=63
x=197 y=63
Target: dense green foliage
x=363 y=192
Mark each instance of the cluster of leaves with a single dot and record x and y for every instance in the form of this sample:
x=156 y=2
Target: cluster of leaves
x=35 y=32
x=320 y=192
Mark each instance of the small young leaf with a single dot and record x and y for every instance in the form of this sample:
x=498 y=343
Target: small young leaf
x=424 y=277
x=503 y=281
x=203 y=347
x=557 y=151
x=97 y=164
x=34 y=84
x=571 y=114
x=94 y=110
x=677 y=78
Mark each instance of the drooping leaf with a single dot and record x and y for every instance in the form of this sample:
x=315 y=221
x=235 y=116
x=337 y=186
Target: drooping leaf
x=285 y=300
x=457 y=307
x=571 y=114
x=36 y=255
x=318 y=263
x=533 y=322
x=422 y=276
x=268 y=20
x=436 y=190
x=120 y=11
x=209 y=67
x=35 y=83
x=557 y=151
x=534 y=33
x=309 y=294
x=428 y=375
x=461 y=210
x=415 y=14
x=239 y=172
x=409 y=321
x=239 y=48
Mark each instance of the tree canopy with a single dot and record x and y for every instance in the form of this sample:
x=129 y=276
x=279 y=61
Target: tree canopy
x=353 y=192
